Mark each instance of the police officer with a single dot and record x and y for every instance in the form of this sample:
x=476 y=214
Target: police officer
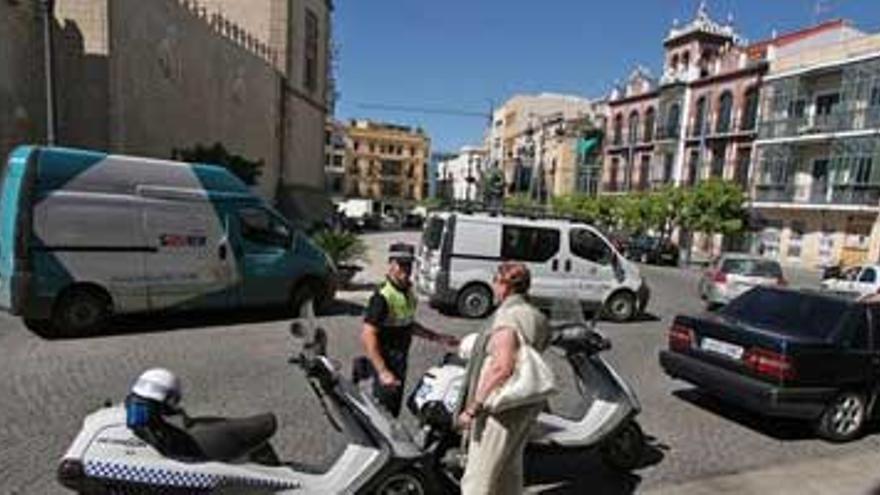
x=389 y=324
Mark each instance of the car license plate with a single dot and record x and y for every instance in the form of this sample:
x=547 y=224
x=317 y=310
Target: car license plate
x=730 y=350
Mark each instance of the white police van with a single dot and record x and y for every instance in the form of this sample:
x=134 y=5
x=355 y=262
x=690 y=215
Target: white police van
x=460 y=252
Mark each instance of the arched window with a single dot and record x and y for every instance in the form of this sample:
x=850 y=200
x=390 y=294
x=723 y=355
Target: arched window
x=674 y=63
x=725 y=108
x=699 y=117
x=749 y=116
x=618 y=129
x=686 y=60
x=633 y=127
x=673 y=121
x=649 y=125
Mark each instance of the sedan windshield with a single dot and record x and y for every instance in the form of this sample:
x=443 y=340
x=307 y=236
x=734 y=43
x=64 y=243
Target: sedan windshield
x=788 y=312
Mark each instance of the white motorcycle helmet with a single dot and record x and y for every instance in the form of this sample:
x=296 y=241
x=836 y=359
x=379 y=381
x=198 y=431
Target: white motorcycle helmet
x=160 y=385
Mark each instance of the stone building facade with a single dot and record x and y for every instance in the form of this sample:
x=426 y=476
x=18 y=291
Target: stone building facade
x=145 y=78
x=22 y=93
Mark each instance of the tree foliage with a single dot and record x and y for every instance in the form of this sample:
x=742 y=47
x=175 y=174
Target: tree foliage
x=217 y=154
x=712 y=207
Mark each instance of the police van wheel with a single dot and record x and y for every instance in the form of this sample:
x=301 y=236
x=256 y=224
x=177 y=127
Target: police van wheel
x=621 y=307
x=474 y=301
x=80 y=312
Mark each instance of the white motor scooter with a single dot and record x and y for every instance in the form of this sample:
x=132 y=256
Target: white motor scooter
x=232 y=456
x=608 y=422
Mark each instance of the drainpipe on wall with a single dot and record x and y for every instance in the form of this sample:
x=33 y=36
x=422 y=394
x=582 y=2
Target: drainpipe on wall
x=48 y=59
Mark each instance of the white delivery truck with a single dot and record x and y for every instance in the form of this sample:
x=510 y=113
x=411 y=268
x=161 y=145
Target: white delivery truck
x=460 y=252
x=84 y=235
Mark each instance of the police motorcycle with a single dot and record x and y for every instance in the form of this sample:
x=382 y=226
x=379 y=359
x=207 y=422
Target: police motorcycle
x=607 y=419
x=149 y=444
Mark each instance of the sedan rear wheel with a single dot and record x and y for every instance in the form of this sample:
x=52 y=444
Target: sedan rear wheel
x=844 y=418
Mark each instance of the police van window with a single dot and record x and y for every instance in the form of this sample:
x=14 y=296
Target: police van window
x=868 y=276
x=260 y=227
x=587 y=245
x=528 y=243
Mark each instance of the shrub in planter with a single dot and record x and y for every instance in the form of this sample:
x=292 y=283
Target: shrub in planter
x=345 y=249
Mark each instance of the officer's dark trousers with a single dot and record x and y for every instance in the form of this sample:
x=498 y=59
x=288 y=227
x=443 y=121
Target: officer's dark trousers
x=391 y=398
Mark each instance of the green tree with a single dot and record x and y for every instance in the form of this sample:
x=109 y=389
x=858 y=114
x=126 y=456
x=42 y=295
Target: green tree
x=244 y=169
x=717 y=208
x=522 y=202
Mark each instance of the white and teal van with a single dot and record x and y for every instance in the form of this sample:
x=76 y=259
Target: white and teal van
x=84 y=235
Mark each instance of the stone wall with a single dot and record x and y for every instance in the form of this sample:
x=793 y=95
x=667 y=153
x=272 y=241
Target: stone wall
x=22 y=100
x=176 y=80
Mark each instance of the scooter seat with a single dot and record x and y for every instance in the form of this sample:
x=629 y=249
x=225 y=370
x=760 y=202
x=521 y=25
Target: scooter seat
x=230 y=439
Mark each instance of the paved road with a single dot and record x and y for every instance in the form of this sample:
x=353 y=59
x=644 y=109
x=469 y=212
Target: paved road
x=236 y=365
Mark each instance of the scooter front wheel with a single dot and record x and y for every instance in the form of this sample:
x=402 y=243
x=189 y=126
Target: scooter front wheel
x=623 y=451
x=406 y=482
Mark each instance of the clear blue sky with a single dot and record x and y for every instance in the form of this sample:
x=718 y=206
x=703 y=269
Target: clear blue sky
x=459 y=54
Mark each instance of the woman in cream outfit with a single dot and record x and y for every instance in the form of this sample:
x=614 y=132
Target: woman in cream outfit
x=496 y=441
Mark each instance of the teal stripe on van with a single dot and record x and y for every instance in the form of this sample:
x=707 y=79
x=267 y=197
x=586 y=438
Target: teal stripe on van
x=10 y=198
x=58 y=166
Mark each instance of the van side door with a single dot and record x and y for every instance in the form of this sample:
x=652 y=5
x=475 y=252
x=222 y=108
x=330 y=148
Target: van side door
x=540 y=249
x=263 y=249
x=591 y=272
x=188 y=268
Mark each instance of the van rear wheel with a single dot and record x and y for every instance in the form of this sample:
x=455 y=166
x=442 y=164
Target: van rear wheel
x=80 y=312
x=621 y=307
x=474 y=301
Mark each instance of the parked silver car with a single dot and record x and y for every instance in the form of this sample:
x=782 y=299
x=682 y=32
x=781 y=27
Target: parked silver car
x=732 y=274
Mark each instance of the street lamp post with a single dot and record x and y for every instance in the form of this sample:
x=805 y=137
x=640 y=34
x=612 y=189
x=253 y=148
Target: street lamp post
x=48 y=51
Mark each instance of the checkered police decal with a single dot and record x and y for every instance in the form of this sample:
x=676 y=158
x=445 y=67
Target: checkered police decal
x=179 y=479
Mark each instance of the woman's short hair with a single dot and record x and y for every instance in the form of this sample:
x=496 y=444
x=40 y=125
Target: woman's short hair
x=516 y=275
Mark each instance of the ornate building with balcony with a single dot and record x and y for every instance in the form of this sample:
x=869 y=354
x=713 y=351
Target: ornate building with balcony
x=817 y=176
x=699 y=118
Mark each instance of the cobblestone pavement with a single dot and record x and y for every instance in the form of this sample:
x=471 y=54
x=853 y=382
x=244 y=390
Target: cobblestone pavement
x=235 y=364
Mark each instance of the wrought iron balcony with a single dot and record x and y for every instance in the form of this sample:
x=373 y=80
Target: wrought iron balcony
x=774 y=193
x=837 y=121
x=856 y=194
x=819 y=194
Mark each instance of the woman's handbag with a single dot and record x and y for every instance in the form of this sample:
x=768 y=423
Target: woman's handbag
x=532 y=381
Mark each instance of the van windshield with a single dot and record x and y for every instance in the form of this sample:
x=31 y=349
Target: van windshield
x=433 y=233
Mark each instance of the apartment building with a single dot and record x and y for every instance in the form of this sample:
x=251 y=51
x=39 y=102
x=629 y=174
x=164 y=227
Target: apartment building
x=817 y=177
x=458 y=177
x=514 y=138
x=388 y=162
